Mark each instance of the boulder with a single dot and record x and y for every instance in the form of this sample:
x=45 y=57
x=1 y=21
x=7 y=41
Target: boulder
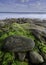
x=18 y=44
x=36 y=58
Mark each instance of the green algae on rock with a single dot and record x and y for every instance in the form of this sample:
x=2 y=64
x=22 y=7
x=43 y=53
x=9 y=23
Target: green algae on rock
x=20 y=27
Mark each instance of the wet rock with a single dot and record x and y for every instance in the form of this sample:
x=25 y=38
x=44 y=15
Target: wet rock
x=18 y=44
x=36 y=58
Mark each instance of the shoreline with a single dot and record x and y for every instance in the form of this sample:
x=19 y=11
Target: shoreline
x=12 y=15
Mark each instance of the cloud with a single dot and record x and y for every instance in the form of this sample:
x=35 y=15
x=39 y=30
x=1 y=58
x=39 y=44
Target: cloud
x=38 y=6
x=21 y=7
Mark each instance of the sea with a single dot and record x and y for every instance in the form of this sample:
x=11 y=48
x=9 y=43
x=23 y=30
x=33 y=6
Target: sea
x=40 y=15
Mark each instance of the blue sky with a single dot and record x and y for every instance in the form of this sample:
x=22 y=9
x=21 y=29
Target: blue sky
x=22 y=5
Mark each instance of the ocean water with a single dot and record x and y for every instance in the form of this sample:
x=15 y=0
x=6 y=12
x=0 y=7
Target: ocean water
x=22 y=15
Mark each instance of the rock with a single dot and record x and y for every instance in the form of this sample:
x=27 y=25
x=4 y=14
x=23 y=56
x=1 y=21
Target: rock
x=2 y=23
x=44 y=55
x=21 y=56
x=38 y=34
x=18 y=44
x=36 y=57
x=40 y=24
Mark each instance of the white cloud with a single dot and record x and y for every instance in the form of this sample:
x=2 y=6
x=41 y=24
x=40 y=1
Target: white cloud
x=38 y=6
x=38 y=3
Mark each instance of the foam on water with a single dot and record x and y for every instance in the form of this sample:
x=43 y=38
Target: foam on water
x=14 y=15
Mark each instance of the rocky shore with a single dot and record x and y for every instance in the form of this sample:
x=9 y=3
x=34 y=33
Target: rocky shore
x=22 y=41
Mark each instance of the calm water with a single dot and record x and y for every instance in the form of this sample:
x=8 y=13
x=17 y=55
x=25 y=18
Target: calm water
x=21 y=15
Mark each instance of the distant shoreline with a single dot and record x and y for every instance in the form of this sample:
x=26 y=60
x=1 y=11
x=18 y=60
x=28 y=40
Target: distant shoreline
x=25 y=12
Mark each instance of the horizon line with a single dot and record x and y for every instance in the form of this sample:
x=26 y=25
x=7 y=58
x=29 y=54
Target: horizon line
x=26 y=12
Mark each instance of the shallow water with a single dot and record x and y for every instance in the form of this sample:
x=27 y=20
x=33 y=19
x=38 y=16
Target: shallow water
x=16 y=15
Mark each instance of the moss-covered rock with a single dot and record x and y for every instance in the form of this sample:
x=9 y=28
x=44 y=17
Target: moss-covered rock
x=10 y=27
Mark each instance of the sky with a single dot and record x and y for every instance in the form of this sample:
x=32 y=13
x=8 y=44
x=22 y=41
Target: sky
x=22 y=5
